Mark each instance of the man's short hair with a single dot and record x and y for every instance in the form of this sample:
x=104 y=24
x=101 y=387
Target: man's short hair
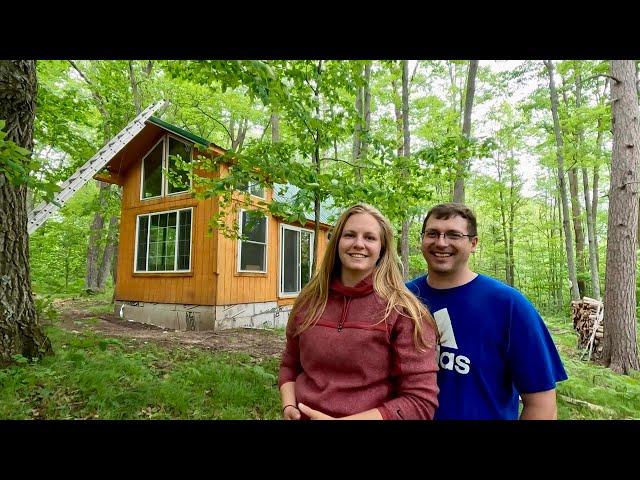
x=445 y=211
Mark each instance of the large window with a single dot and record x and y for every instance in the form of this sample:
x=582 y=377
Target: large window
x=296 y=258
x=164 y=242
x=155 y=182
x=252 y=250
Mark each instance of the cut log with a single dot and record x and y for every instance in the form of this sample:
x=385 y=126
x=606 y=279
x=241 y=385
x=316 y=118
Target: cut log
x=587 y=315
x=583 y=403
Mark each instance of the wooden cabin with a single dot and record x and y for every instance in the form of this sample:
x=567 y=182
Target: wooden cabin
x=172 y=273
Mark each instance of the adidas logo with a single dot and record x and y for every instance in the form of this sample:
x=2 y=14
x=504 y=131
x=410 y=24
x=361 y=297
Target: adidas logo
x=449 y=360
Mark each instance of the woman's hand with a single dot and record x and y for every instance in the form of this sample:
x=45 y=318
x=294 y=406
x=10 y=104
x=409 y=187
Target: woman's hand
x=290 y=412
x=373 y=414
x=313 y=414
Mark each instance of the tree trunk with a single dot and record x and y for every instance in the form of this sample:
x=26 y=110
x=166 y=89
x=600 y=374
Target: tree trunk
x=364 y=144
x=591 y=234
x=575 y=202
x=458 y=188
x=397 y=108
x=404 y=245
x=511 y=220
x=578 y=231
x=109 y=253
x=20 y=333
x=275 y=127
x=238 y=140
x=134 y=89
x=596 y=176
x=620 y=346
x=357 y=142
x=575 y=293
x=316 y=162
x=95 y=237
x=503 y=224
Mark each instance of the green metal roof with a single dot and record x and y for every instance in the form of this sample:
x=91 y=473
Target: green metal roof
x=179 y=131
x=328 y=212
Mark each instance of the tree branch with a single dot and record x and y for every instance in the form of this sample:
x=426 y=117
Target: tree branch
x=100 y=103
x=344 y=161
x=414 y=71
x=265 y=129
x=197 y=107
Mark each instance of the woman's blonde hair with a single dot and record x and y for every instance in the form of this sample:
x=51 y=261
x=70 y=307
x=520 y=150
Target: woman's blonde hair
x=387 y=281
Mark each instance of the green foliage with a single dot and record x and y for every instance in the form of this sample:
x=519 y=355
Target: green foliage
x=58 y=248
x=19 y=168
x=45 y=310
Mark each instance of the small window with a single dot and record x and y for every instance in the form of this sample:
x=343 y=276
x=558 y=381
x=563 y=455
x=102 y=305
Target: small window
x=296 y=259
x=152 y=176
x=164 y=242
x=178 y=149
x=253 y=188
x=252 y=252
x=161 y=158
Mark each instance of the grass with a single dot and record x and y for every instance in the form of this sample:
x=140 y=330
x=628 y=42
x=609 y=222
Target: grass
x=96 y=377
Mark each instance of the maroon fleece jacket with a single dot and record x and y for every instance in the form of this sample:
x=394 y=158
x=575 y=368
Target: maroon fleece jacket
x=348 y=362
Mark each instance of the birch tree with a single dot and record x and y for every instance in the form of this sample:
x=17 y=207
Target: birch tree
x=568 y=238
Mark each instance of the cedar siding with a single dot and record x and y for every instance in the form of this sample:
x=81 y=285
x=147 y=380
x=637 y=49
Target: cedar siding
x=213 y=278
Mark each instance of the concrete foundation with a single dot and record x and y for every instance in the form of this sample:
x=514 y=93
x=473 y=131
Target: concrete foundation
x=205 y=317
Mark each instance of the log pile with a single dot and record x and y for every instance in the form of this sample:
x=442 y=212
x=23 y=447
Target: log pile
x=587 y=315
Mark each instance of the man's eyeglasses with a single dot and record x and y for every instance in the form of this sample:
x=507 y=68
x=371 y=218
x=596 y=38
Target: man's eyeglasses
x=452 y=236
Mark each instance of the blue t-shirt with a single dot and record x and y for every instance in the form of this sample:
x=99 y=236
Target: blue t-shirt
x=493 y=346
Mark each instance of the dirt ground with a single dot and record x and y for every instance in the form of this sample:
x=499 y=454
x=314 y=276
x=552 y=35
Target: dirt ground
x=76 y=315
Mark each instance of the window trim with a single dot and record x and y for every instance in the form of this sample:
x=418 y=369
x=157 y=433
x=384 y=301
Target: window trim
x=266 y=244
x=164 y=186
x=150 y=214
x=284 y=226
x=142 y=197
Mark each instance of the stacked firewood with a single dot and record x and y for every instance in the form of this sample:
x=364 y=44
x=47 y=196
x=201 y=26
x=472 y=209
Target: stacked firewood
x=587 y=315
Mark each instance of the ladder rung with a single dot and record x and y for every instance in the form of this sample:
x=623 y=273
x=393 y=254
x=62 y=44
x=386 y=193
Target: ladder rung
x=39 y=214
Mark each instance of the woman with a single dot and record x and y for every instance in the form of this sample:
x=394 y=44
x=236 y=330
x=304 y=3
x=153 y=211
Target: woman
x=359 y=344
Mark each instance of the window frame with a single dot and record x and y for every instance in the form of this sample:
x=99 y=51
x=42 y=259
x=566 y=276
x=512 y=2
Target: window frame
x=164 y=186
x=248 y=190
x=149 y=215
x=283 y=226
x=240 y=241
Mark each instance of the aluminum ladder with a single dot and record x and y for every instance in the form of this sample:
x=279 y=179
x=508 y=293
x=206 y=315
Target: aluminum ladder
x=85 y=173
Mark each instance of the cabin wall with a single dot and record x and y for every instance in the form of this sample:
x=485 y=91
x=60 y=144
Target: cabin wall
x=247 y=287
x=213 y=294
x=197 y=287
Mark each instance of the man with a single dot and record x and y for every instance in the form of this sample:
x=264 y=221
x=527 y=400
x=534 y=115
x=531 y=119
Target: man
x=494 y=346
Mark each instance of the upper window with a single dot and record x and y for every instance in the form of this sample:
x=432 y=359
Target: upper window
x=164 y=242
x=161 y=158
x=252 y=252
x=254 y=189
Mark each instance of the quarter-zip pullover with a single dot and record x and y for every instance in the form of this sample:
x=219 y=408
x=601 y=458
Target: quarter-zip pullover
x=351 y=361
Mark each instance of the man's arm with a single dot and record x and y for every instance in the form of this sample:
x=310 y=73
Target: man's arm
x=539 y=406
